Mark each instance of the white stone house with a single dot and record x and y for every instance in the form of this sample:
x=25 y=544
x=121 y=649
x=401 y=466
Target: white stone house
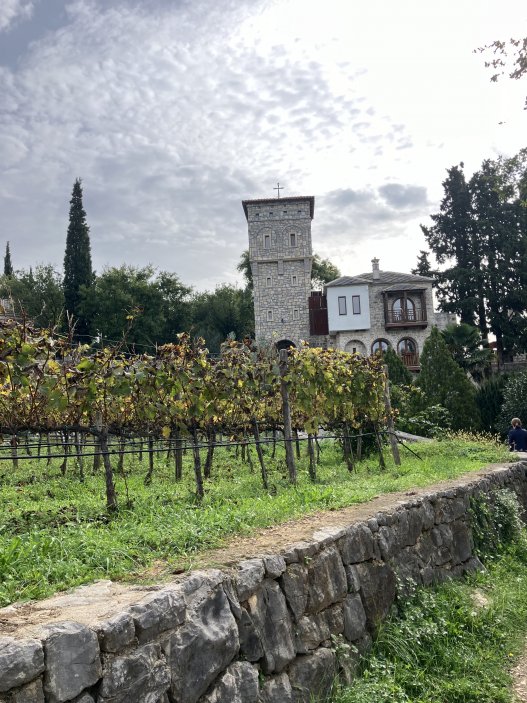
x=381 y=309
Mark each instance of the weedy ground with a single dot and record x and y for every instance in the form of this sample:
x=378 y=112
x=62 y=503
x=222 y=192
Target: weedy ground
x=55 y=532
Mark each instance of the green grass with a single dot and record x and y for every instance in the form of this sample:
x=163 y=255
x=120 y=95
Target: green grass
x=444 y=647
x=55 y=533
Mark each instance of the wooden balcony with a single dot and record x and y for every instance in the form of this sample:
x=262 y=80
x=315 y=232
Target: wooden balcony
x=405 y=318
x=410 y=360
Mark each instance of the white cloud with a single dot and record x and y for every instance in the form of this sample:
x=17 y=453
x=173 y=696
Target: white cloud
x=172 y=113
x=13 y=10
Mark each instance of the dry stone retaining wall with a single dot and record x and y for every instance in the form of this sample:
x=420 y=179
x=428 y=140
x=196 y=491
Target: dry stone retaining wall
x=265 y=634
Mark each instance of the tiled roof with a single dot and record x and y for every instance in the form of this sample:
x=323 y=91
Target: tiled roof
x=393 y=279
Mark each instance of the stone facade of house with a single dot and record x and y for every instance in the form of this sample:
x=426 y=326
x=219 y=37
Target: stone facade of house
x=401 y=312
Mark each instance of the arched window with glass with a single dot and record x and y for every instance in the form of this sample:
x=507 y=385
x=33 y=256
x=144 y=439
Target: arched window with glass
x=407 y=350
x=379 y=346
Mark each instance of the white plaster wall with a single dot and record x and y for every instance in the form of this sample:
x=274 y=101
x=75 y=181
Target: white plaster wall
x=339 y=323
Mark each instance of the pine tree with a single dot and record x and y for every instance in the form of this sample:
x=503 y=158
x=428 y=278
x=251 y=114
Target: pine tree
x=77 y=261
x=445 y=383
x=8 y=266
x=423 y=267
x=451 y=239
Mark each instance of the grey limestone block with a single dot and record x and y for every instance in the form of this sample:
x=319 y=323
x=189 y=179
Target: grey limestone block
x=29 y=693
x=277 y=690
x=357 y=544
x=328 y=535
x=425 y=548
x=327 y=583
x=386 y=539
x=312 y=675
x=354 y=618
x=268 y=611
x=251 y=647
x=116 y=633
x=312 y=630
x=299 y=552
x=450 y=509
x=353 y=579
x=461 y=541
x=142 y=675
x=377 y=591
x=428 y=513
x=251 y=573
x=20 y=662
x=274 y=565
x=84 y=698
x=407 y=566
x=157 y=613
x=411 y=527
x=294 y=584
x=72 y=660
x=373 y=524
x=239 y=684
x=199 y=650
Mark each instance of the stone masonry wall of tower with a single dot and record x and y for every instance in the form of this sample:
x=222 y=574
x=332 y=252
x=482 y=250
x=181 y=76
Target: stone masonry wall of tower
x=281 y=256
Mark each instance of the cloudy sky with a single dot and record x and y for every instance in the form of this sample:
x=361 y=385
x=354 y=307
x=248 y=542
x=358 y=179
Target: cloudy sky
x=173 y=111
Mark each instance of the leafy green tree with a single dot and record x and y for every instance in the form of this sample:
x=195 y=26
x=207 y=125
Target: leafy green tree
x=501 y=53
x=77 y=262
x=489 y=399
x=514 y=400
x=151 y=308
x=322 y=272
x=37 y=295
x=228 y=311
x=444 y=383
x=465 y=344
x=244 y=267
x=8 y=266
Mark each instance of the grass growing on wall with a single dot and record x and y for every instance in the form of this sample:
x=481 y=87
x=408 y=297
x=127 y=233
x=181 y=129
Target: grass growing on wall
x=55 y=533
x=455 y=643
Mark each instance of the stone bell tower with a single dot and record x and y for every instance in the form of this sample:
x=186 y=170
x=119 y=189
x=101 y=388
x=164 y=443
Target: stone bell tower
x=281 y=256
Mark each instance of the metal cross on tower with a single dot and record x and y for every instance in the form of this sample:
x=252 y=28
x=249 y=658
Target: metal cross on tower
x=278 y=188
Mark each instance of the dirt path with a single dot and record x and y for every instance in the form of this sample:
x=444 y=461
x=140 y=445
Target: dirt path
x=519 y=677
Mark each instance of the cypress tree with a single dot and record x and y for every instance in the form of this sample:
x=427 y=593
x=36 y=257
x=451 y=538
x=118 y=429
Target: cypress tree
x=451 y=238
x=444 y=382
x=8 y=266
x=77 y=261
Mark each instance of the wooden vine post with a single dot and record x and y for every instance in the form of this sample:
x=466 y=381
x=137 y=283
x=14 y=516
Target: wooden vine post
x=111 y=495
x=286 y=411
x=389 y=419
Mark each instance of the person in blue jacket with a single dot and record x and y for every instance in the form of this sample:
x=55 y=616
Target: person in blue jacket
x=517 y=436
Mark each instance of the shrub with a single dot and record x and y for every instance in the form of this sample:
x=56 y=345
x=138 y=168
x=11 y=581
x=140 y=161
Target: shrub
x=444 y=382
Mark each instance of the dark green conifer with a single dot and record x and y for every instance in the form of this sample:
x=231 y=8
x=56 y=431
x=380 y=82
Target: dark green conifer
x=444 y=382
x=77 y=261
x=8 y=266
